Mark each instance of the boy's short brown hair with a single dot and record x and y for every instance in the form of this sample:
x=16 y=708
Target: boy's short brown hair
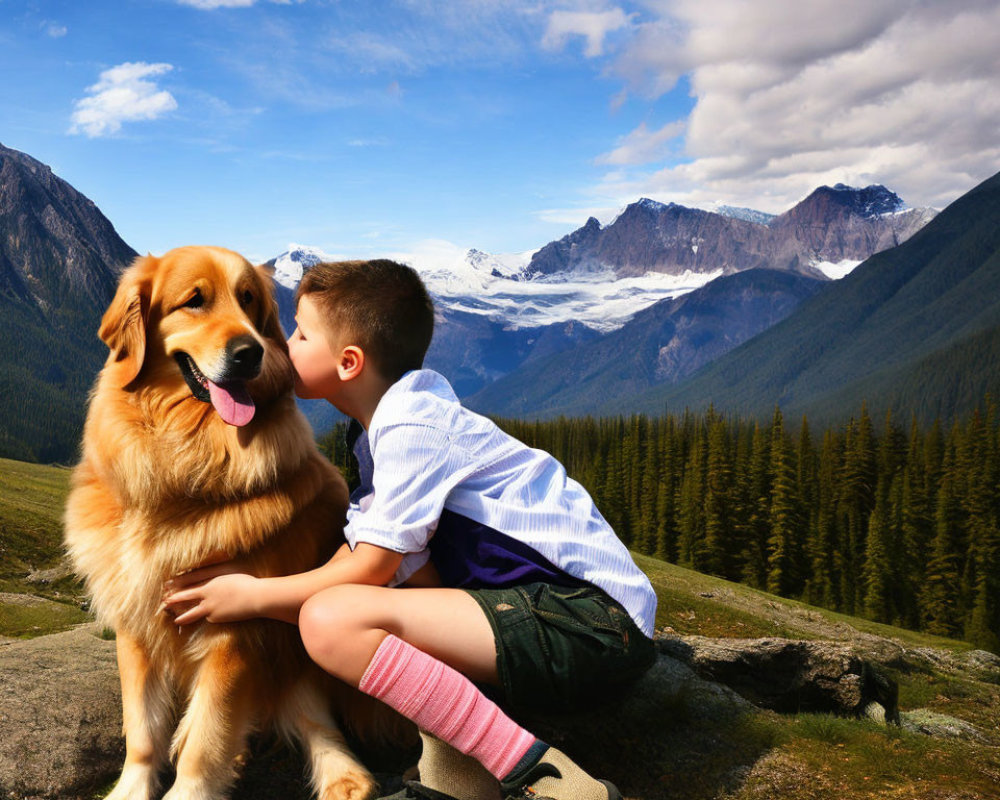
x=383 y=304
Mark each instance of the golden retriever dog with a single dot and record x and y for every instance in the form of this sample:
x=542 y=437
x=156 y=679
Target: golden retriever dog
x=194 y=451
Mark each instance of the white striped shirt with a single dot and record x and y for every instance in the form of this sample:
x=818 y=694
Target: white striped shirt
x=424 y=454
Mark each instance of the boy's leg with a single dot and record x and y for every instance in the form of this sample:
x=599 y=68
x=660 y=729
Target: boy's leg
x=444 y=623
x=416 y=650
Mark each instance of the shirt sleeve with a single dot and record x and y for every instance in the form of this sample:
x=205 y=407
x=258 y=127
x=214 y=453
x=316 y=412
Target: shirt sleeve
x=415 y=467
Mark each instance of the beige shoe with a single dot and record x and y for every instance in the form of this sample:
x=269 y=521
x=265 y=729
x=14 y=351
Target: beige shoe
x=555 y=777
x=445 y=769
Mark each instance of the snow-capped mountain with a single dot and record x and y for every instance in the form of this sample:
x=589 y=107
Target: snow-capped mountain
x=500 y=288
x=292 y=264
x=830 y=226
x=601 y=276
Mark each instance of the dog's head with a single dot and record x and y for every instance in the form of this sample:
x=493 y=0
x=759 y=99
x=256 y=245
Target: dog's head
x=198 y=320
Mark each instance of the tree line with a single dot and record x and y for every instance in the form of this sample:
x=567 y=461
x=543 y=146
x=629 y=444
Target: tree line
x=898 y=525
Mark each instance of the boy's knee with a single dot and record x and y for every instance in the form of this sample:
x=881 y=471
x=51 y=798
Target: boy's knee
x=322 y=619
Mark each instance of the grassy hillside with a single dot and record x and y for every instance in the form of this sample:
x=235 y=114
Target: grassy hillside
x=38 y=593
x=792 y=757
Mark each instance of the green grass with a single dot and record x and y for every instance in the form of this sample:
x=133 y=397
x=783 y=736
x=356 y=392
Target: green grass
x=31 y=507
x=32 y=497
x=726 y=609
x=25 y=616
x=862 y=759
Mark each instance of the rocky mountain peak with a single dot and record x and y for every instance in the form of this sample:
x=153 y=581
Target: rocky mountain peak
x=56 y=248
x=652 y=205
x=844 y=222
x=841 y=200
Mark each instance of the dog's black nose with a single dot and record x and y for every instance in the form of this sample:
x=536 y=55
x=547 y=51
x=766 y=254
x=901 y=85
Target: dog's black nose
x=243 y=357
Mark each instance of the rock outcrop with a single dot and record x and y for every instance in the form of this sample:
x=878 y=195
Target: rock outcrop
x=60 y=714
x=839 y=222
x=61 y=719
x=56 y=247
x=792 y=676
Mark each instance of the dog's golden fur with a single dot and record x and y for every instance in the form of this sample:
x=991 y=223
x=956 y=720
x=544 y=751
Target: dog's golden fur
x=165 y=485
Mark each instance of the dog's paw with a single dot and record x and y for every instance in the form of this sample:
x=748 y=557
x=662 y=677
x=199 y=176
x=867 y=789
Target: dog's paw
x=137 y=782
x=351 y=786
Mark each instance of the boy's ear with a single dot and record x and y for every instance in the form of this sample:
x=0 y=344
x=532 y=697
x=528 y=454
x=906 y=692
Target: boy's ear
x=350 y=362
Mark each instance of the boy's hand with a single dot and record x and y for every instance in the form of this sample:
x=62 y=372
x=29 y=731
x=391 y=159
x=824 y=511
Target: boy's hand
x=218 y=593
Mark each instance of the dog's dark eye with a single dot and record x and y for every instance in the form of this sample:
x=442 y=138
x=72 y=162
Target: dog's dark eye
x=194 y=301
x=246 y=298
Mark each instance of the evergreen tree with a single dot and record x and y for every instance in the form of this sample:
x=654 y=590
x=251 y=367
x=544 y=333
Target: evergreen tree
x=666 y=492
x=645 y=540
x=691 y=521
x=719 y=522
x=941 y=596
x=980 y=506
x=855 y=504
x=784 y=573
x=917 y=528
x=876 y=575
x=758 y=479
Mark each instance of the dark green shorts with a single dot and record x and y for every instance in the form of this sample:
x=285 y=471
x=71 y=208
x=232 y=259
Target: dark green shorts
x=560 y=648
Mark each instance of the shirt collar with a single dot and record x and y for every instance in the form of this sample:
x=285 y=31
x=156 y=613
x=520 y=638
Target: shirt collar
x=416 y=380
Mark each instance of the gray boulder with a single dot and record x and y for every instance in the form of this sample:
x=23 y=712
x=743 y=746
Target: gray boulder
x=60 y=713
x=790 y=676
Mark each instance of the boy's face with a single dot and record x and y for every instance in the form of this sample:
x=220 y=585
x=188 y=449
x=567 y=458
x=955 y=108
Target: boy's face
x=315 y=354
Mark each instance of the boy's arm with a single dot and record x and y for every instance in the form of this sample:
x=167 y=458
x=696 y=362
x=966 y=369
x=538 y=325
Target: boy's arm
x=218 y=594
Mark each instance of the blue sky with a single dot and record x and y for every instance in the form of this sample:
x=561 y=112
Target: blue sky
x=366 y=128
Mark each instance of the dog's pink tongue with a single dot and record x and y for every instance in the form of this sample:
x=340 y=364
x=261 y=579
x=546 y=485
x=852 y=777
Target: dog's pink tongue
x=232 y=402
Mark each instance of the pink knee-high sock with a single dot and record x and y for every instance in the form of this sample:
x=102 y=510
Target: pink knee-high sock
x=444 y=702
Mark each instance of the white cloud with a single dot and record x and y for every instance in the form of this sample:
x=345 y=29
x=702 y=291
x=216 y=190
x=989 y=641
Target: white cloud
x=55 y=30
x=594 y=26
x=642 y=145
x=123 y=94
x=790 y=95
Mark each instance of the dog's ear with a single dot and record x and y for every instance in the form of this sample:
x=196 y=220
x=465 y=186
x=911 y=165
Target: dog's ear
x=123 y=327
x=269 y=324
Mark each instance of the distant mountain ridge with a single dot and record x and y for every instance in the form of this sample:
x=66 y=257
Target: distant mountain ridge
x=832 y=224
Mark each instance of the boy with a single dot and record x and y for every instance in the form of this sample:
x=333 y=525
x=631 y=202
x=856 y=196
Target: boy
x=511 y=579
